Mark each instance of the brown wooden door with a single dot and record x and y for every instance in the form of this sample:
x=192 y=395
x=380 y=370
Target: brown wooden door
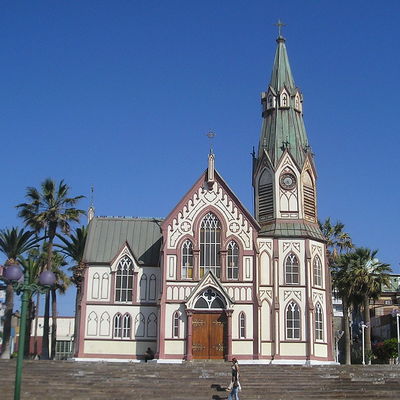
x=209 y=333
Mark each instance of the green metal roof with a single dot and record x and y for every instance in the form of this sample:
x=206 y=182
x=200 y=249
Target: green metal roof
x=282 y=125
x=107 y=236
x=292 y=229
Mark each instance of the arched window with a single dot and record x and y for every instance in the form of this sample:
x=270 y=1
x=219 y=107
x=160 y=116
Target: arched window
x=175 y=324
x=92 y=324
x=139 y=325
x=187 y=260
x=292 y=270
x=105 y=324
x=309 y=196
x=319 y=323
x=233 y=261
x=118 y=325
x=265 y=196
x=124 y=280
x=284 y=99
x=143 y=287
x=104 y=286
x=317 y=268
x=210 y=299
x=152 y=325
x=126 y=327
x=292 y=321
x=152 y=287
x=242 y=325
x=210 y=243
x=95 y=286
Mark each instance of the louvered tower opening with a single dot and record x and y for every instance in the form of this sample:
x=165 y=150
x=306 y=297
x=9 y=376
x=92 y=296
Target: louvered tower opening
x=265 y=197
x=309 y=196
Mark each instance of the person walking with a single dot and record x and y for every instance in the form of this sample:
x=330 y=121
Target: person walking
x=235 y=385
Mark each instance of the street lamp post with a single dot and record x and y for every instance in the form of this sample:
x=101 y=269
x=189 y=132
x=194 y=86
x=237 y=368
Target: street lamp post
x=363 y=326
x=397 y=314
x=13 y=273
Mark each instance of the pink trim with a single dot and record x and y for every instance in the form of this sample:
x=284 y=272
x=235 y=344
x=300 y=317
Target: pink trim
x=82 y=325
x=189 y=339
x=229 y=334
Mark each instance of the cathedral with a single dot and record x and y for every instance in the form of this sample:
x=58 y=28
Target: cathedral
x=211 y=280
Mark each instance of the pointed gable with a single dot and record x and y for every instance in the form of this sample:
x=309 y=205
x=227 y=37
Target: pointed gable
x=218 y=198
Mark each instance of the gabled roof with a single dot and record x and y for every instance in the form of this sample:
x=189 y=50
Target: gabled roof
x=108 y=235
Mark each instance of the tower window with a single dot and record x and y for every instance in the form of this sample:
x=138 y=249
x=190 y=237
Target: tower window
x=292 y=275
x=317 y=268
x=175 y=324
x=292 y=321
x=210 y=244
x=309 y=196
x=242 y=325
x=265 y=196
x=319 y=323
x=233 y=261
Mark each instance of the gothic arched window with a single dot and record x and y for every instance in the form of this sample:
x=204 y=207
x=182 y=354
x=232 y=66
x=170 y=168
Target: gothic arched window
x=187 y=260
x=317 y=268
x=284 y=100
x=242 y=325
x=95 y=286
x=319 y=322
x=292 y=274
x=126 y=326
x=152 y=287
x=210 y=243
x=210 y=299
x=139 y=325
x=92 y=324
x=292 y=321
x=105 y=324
x=124 y=280
x=233 y=261
x=118 y=325
x=152 y=325
x=143 y=287
x=104 y=286
x=175 y=324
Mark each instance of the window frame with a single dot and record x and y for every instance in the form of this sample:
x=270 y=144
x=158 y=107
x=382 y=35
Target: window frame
x=317 y=271
x=293 y=308
x=319 y=322
x=230 y=259
x=210 y=245
x=242 y=325
x=187 y=255
x=290 y=269
x=124 y=270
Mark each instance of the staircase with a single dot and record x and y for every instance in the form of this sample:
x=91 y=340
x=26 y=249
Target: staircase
x=70 y=380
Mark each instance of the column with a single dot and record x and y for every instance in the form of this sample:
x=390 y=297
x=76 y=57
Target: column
x=223 y=262
x=189 y=338
x=229 y=334
x=196 y=267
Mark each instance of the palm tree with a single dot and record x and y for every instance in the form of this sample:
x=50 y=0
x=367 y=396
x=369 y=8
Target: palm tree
x=62 y=283
x=337 y=241
x=74 y=247
x=368 y=275
x=49 y=210
x=13 y=243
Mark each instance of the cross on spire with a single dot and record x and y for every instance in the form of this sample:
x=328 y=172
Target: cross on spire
x=279 y=24
x=211 y=135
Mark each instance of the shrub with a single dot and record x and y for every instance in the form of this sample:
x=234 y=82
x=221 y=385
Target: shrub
x=383 y=351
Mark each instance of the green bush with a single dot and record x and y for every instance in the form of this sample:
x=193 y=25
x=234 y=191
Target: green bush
x=383 y=351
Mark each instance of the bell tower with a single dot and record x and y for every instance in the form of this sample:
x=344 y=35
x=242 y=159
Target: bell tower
x=283 y=168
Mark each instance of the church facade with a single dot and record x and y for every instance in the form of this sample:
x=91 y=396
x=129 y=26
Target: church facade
x=212 y=281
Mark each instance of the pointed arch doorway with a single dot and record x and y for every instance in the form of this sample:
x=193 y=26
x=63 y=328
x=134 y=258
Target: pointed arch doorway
x=209 y=326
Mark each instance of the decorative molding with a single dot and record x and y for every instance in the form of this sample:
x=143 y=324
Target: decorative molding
x=318 y=296
x=238 y=224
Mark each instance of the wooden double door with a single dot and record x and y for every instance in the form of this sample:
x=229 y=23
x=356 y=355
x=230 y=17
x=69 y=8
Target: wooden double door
x=209 y=332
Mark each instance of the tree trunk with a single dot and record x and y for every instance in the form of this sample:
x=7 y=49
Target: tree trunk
x=79 y=279
x=46 y=317
x=6 y=346
x=367 y=321
x=54 y=323
x=346 y=328
x=46 y=328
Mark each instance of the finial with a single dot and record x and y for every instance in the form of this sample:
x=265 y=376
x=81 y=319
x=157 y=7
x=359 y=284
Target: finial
x=211 y=135
x=91 y=196
x=91 y=207
x=279 y=24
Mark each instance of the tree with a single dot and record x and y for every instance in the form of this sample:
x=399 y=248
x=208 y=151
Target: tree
x=48 y=210
x=62 y=283
x=13 y=243
x=74 y=247
x=337 y=241
x=368 y=275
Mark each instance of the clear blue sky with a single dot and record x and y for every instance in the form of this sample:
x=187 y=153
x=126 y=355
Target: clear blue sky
x=120 y=95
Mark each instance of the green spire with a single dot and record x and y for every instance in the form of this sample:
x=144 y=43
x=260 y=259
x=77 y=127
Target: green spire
x=283 y=126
